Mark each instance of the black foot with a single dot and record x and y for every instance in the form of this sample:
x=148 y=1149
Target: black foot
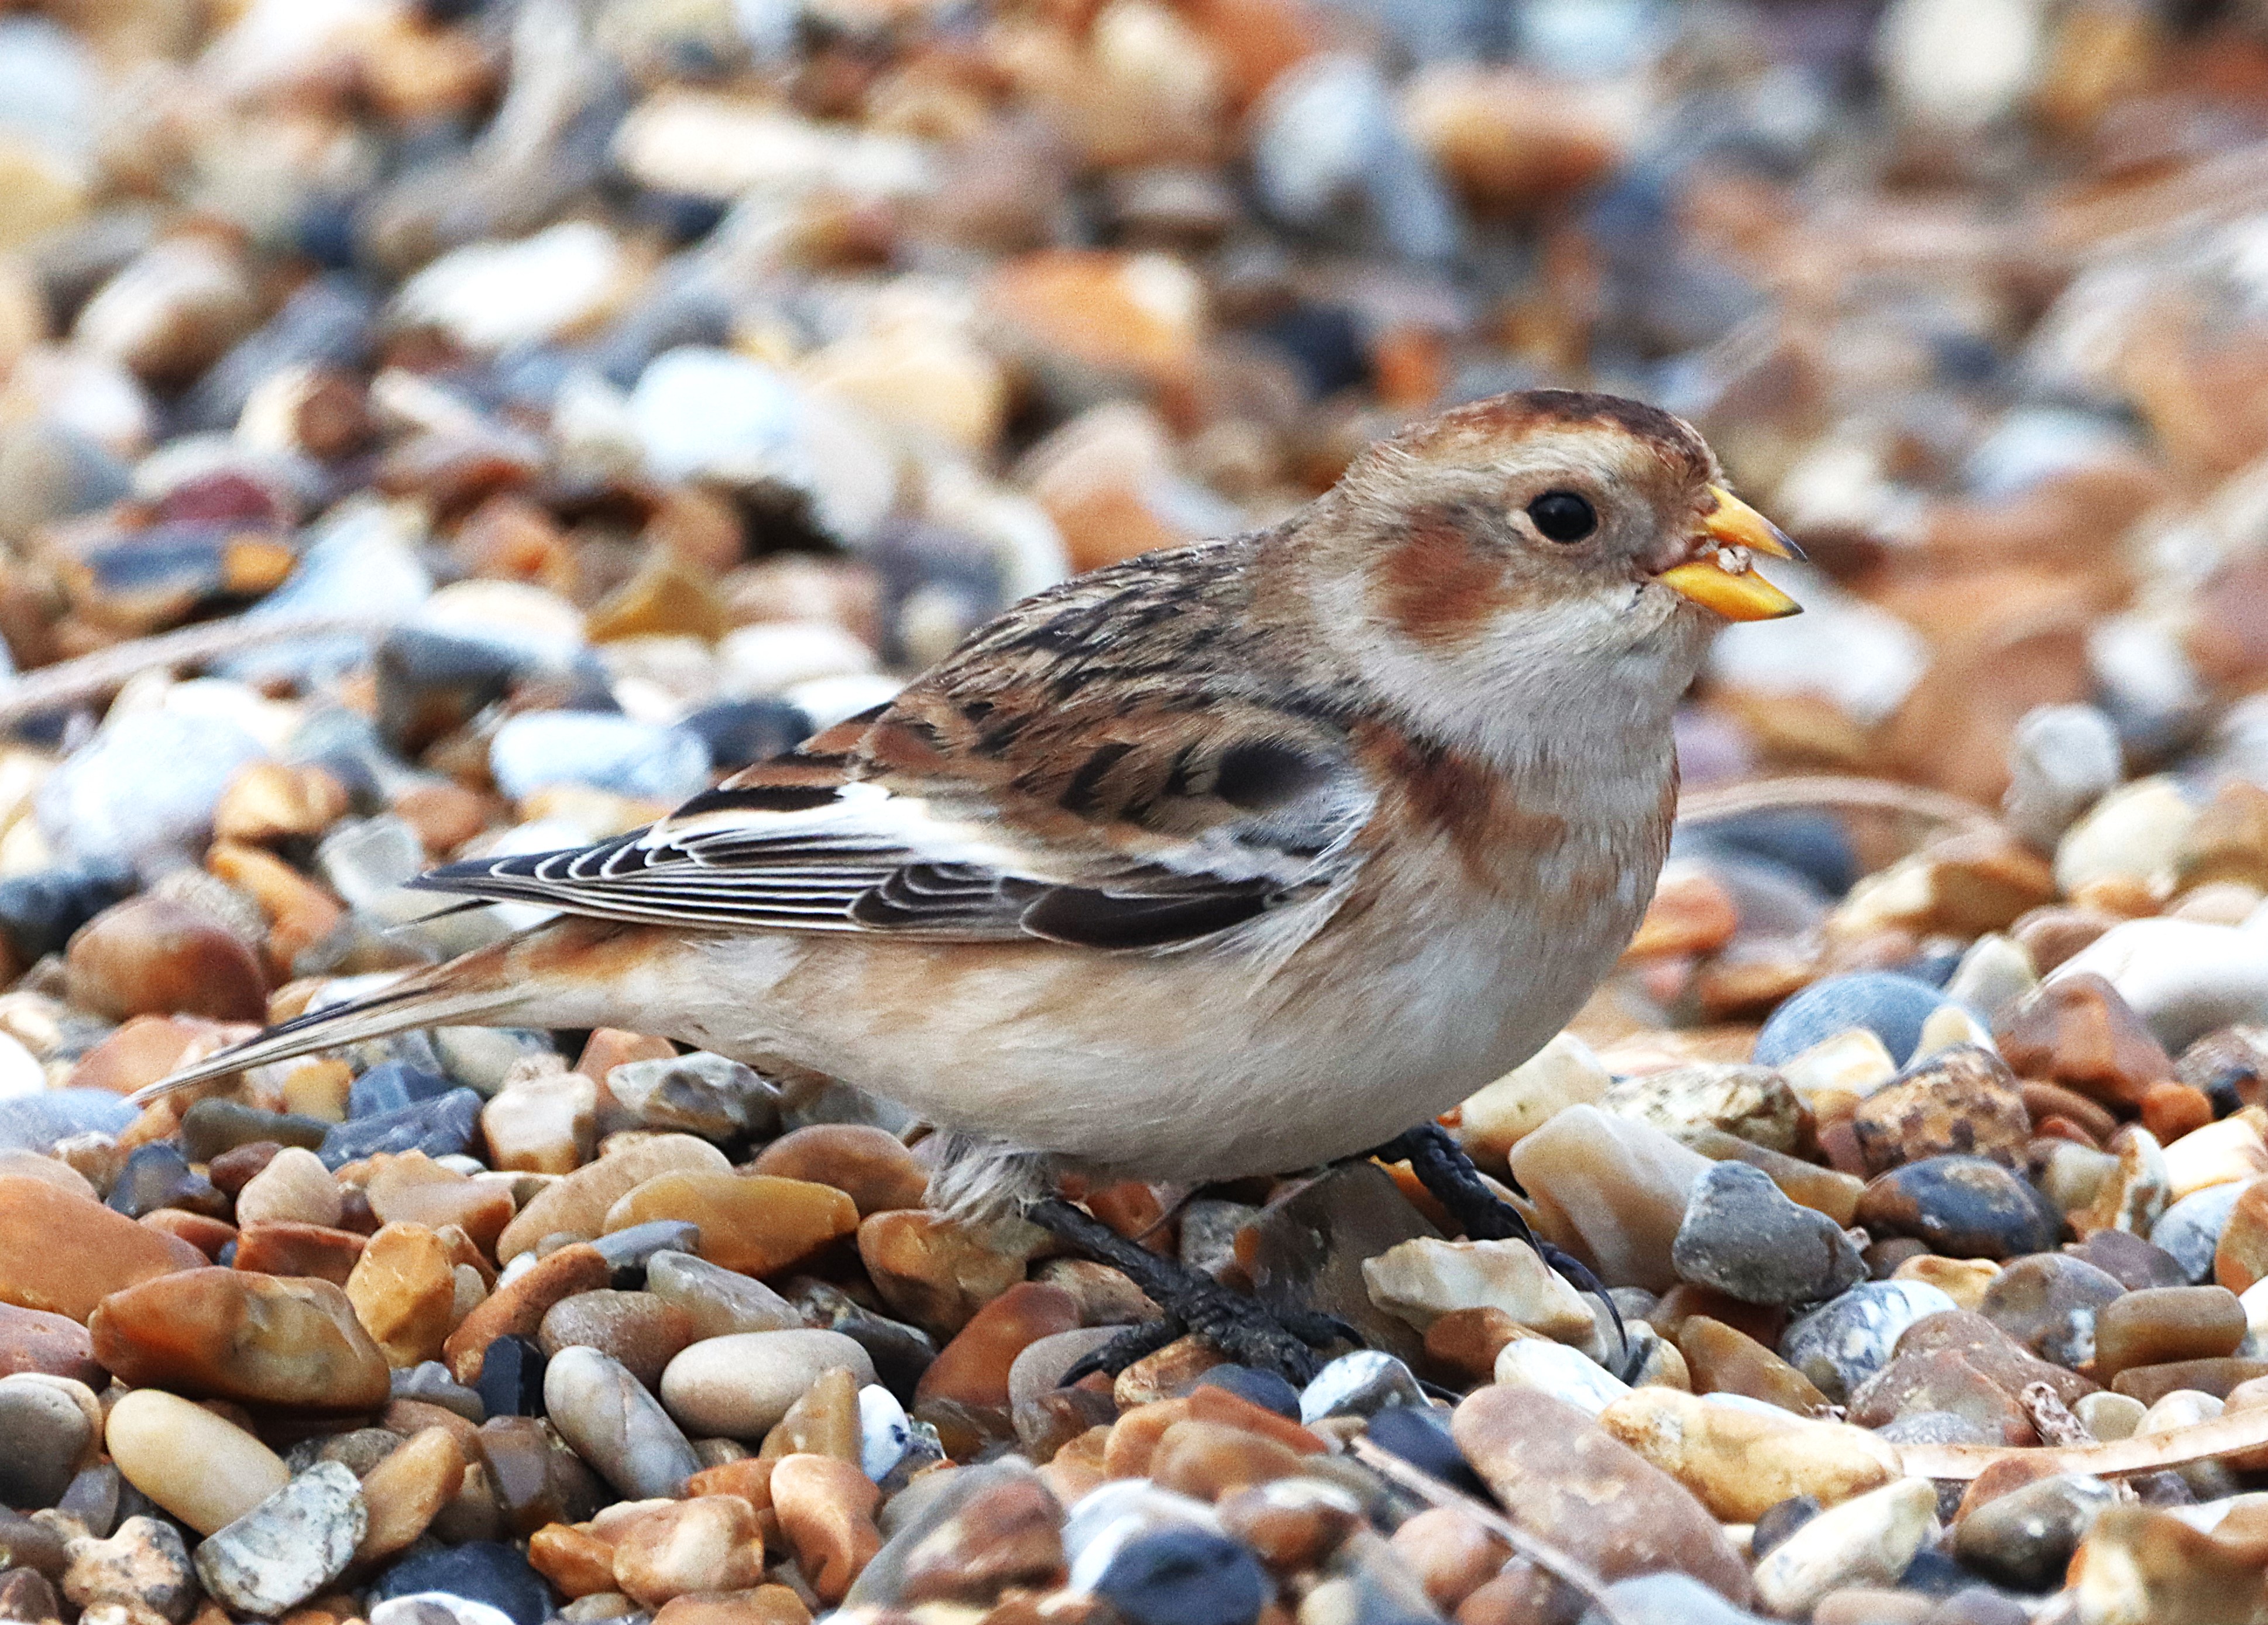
x=1443 y=1168
x=1283 y=1340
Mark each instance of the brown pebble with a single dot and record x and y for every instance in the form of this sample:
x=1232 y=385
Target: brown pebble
x=935 y=1271
x=224 y=1334
x=2077 y=1031
x=764 y=1605
x=754 y=1224
x=404 y=1493
x=2164 y=1324
x=152 y=956
x=1467 y=1340
x=826 y=1509
x=1450 y=1555
x=822 y=1422
x=404 y=1291
x=750 y=1478
x=269 y=802
x=2218 y=1376
x=520 y=1307
x=2240 y=1259
x=642 y=1331
x=412 y=1188
x=973 y=1368
x=1719 y=1359
x=201 y=1231
x=64 y=1254
x=2170 y=1110
x=709 y=1543
x=1207 y=1460
x=576 y=1562
x=869 y=1165
x=1291 y=1525
x=315 y=1250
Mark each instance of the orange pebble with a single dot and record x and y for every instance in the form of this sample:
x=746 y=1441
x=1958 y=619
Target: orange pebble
x=2170 y=1110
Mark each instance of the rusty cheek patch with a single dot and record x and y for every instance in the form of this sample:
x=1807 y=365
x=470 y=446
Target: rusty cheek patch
x=1446 y=795
x=1438 y=586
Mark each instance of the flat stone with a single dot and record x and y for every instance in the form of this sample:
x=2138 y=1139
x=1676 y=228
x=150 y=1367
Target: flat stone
x=616 y=1426
x=223 y=1334
x=1307 y=1248
x=310 y=1250
x=754 y=1223
x=533 y=1477
x=288 y=1548
x=1568 y=1481
x=1740 y=1461
x=983 y=1530
x=445 y=1126
x=63 y=1253
x=542 y=1125
x=412 y=1188
x=1720 y=1359
x=710 y=1095
x=1742 y=1236
x=825 y=1510
x=203 y=1469
x=577 y=1204
x=740 y=1386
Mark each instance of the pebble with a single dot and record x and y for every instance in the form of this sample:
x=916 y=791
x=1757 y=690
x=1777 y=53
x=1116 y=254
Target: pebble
x=143 y=1568
x=615 y=1424
x=63 y=1253
x=150 y=955
x=1868 y=1541
x=1719 y=1359
x=1558 y=1371
x=403 y=1289
x=1965 y=1206
x=1753 y=1103
x=223 y=1334
x=741 y=1386
x=405 y=1491
x=1892 y=1007
x=825 y=1507
x=1361 y=1384
x=1564 y=1478
x=288 y=1548
x=544 y=1125
x=754 y=1225
x=2075 y=1030
x=2024 y=1538
x=577 y=1205
x=869 y=1165
x=443 y=1126
x=1612 y=1189
x=33 y=1339
x=1742 y=1236
x=295 y=1188
x=636 y=1329
x=1564 y=1072
x=1184 y=1576
x=2062 y=760
x=2163 y=1324
x=717 y=1302
x=708 y=1543
x=1962 y=1102
x=2050 y=1302
x=49 y=1436
x=203 y=1469
x=1424 y=1279
x=2190 y=1230
x=710 y=1095
x=480 y=1572
x=517 y=1307
x=1840 y=1344
x=1739 y=1461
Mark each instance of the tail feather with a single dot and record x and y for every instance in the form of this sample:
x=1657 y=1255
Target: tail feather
x=438 y=997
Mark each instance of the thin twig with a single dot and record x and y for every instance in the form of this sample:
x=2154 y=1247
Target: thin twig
x=1717 y=803
x=91 y=677
x=2148 y=1452
x=1559 y=1565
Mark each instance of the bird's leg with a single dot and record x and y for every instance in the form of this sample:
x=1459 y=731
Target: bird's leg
x=1444 y=1170
x=1283 y=1340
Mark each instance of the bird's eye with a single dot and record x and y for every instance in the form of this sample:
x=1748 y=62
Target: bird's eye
x=1562 y=515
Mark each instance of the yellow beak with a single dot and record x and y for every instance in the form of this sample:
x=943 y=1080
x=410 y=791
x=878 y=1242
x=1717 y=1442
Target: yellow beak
x=1723 y=581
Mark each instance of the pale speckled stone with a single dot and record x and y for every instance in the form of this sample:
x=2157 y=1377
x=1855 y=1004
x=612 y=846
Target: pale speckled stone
x=289 y=1546
x=1865 y=1541
x=615 y=1426
x=1842 y=1343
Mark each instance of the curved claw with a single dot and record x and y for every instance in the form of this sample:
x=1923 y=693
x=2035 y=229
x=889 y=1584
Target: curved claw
x=1580 y=1274
x=1145 y=1338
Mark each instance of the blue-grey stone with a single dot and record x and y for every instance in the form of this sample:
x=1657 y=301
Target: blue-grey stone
x=392 y=1086
x=430 y=1381
x=34 y=1122
x=483 y=1571
x=1964 y=1207
x=1361 y=1384
x=1888 y=1005
x=1184 y=1577
x=439 y=1128
x=629 y=1249
x=39 y=911
x=2190 y=1229
x=156 y=1175
x=105 y=805
x=1840 y=1344
x=211 y=1127
x=1669 y=1599
x=604 y=750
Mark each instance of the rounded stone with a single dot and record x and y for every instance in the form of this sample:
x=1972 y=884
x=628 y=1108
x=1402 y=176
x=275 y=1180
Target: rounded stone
x=294 y=1188
x=741 y=1386
x=2049 y=1302
x=203 y=1469
x=224 y=1334
x=869 y=1165
x=1842 y=1343
x=1963 y=1207
x=1742 y=1236
x=639 y=1330
x=615 y=1424
x=1184 y=1577
x=288 y=1548
x=1890 y=1006
x=152 y=956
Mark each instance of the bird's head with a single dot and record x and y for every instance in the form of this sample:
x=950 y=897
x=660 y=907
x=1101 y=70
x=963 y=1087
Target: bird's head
x=1513 y=547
